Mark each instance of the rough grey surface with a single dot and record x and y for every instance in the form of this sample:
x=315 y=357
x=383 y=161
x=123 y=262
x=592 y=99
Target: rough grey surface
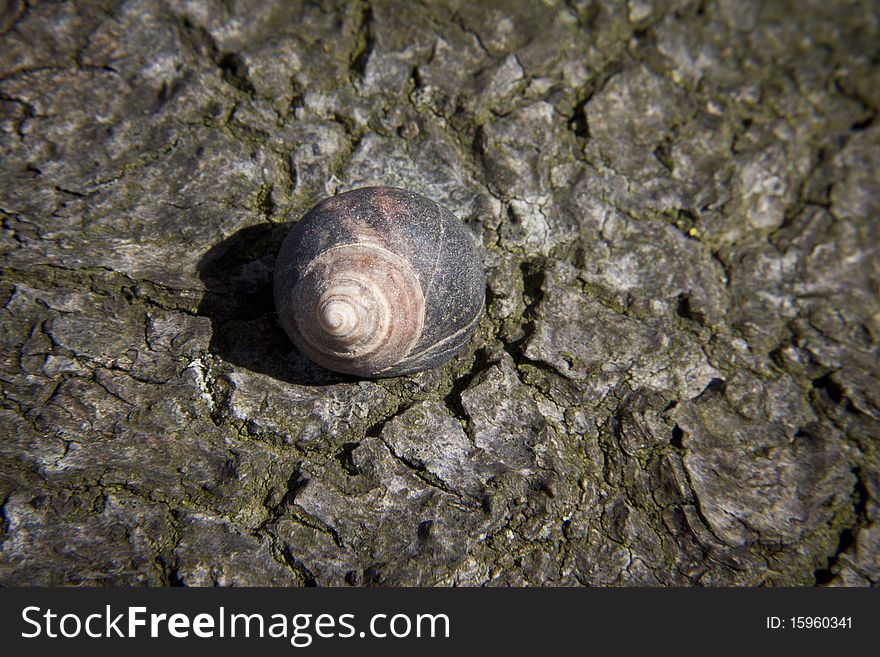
x=676 y=381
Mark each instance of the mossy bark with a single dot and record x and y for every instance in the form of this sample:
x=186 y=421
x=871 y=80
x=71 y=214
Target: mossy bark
x=676 y=380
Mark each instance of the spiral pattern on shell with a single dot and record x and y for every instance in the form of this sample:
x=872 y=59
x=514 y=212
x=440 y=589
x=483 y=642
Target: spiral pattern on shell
x=359 y=301
x=379 y=282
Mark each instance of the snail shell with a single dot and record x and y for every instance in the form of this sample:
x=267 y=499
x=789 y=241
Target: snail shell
x=379 y=282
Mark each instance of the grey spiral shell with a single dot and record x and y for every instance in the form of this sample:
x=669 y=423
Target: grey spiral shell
x=379 y=282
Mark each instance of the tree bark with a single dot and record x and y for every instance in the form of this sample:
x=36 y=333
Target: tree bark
x=676 y=380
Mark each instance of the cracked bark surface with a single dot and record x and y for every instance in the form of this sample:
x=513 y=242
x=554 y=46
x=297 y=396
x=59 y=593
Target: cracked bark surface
x=676 y=381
